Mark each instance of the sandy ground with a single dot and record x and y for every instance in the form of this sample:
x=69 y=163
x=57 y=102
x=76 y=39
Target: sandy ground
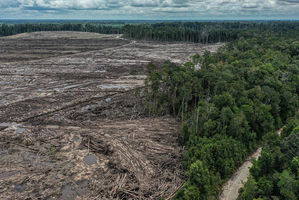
x=72 y=124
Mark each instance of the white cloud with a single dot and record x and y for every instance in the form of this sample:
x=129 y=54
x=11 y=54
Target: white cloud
x=154 y=8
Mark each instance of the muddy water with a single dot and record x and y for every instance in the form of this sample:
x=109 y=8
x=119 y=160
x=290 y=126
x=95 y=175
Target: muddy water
x=20 y=130
x=4 y=83
x=90 y=159
x=6 y=124
x=116 y=86
x=71 y=191
x=20 y=188
x=68 y=193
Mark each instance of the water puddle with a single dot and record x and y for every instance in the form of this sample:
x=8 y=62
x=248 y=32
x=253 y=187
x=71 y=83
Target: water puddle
x=20 y=188
x=20 y=130
x=83 y=183
x=99 y=102
x=53 y=82
x=3 y=83
x=76 y=139
x=68 y=87
x=89 y=107
x=116 y=86
x=90 y=159
x=20 y=96
x=3 y=102
x=20 y=89
x=5 y=124
x=101 y=71
x=136 y=77
x=68 y=193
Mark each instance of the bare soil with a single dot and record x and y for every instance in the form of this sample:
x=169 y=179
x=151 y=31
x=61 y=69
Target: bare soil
x=72 y=122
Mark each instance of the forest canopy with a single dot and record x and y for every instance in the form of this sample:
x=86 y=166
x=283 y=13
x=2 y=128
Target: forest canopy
x=231 y=102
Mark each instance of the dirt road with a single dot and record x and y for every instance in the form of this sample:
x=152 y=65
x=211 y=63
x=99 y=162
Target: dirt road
x=230 y=190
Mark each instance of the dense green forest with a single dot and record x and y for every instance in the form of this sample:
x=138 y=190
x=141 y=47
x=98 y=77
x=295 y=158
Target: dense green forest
x=198 y=32
x=203 y=32
x=12 y=29
x=240 y=96
x=275 y=175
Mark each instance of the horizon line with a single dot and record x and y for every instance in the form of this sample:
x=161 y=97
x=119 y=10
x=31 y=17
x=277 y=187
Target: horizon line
x=10 y=19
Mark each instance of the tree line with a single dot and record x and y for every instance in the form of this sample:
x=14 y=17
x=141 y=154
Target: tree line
x=197 y=32
x=238 y=97
x=6 y=30
x=202 y=32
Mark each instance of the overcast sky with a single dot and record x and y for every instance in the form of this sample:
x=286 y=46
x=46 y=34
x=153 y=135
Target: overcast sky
x=149 y=9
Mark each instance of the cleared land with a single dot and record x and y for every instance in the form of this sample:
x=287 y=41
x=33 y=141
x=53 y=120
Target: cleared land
x=72 y=125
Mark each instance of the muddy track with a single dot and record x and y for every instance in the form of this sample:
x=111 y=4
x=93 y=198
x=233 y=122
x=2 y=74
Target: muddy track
x=230 y=190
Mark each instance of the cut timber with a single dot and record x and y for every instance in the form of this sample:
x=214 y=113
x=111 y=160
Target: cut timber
x=72 y=125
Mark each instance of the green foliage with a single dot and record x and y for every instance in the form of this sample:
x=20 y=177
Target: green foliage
x=200 y=176
x=291 y=126
x=250 y=190
x=288 y=186
x=208 y=32
x=221 y=154
x=237 y=99
x=6 y=30
x=189 y=192
x=277 y=170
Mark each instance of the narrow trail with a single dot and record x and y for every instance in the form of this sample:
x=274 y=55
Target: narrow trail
x=230 y=190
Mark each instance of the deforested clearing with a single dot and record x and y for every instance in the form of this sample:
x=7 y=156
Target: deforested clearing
x=72 y=122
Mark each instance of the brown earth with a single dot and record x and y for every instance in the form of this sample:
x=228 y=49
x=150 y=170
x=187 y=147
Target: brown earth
x=72 y=123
